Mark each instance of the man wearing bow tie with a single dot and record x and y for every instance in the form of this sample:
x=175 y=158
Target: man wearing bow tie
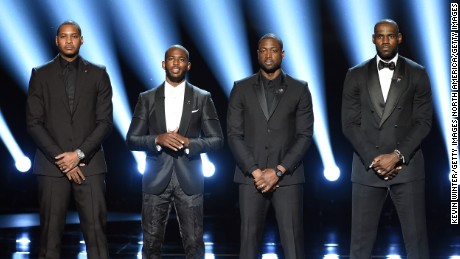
x=386 y=113
x=270 y=127
x=174 y=123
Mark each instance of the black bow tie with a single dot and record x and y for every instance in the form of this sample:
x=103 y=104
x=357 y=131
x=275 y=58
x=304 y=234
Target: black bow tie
x=391 y=65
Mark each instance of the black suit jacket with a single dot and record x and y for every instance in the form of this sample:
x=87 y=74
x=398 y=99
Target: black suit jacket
x=198 y=116
x=55 y=129
x=374 y=127
x=259 y=138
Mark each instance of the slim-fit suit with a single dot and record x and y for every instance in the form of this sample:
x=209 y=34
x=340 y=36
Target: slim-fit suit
x=200 y=124
x=56 y=128
x=376 y=127
x=259 y=138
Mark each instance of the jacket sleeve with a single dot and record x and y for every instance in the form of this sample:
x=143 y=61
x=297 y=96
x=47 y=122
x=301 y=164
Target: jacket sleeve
x=212 y=138
x=303 y=132
x=103 y=116
x=35 y=118
x=235 y=131
x=138 y=137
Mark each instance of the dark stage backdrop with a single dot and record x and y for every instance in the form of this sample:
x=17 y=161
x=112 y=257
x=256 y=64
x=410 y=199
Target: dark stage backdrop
x=328 y=201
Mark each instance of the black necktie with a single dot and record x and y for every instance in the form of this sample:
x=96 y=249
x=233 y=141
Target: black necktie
x=391 y=65
x=269 y=94
x=70 y=76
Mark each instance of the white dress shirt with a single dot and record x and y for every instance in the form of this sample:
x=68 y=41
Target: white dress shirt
x=174 y=103
x=385 y=76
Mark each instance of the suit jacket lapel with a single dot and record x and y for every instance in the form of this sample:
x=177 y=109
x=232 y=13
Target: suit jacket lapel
x=374 y=88
x=396 y=88
x=278 y=94
x=187 y=109
x=260 y=93
x=160 y=108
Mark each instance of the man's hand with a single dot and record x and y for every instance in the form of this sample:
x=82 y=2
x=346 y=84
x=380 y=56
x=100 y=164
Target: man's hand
x=67 y=161
x=386 y=165
x=172 y=140
x=267 y=181
x=76 y=175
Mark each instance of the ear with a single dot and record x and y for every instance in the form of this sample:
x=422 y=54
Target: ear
x=282 y=53
x=373 y=38
x=57 y=41
x=81 y=39
x=163 y=65
x=399 y=38
x=189 y=65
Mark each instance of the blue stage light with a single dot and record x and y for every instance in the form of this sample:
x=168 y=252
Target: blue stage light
x=208 y=166
x=433 y=46
x=20 y=46
x=144 y=29
x=99 y=48
x=355 y=20
x=218 y=28
x=303 y=59
x=22 y=162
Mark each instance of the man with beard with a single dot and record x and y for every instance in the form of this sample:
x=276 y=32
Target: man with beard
x=69 y=114
x=270 y=127
x=386 y=113
x=174 y=123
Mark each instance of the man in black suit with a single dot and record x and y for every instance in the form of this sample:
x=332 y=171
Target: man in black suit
x=69 y=114
x=270 y=127
x=386 y=113
x=174 y=123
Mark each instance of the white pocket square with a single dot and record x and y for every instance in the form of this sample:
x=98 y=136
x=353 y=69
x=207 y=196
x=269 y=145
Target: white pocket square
x=195 y=110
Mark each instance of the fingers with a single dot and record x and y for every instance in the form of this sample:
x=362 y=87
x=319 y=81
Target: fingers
x=171 y=141
x=76 y=176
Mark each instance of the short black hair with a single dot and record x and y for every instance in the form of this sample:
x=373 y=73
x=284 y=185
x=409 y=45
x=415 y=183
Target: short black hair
x=272 y=36
x=69 y=22
x=386 y=21
x=177 y=46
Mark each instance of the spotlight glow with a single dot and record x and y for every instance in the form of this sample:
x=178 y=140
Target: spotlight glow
x=15 y=25
x=208 y=167
x=332 y=173
x=436 y=57
x=300 y=46
x=219 y=29
x=22 y=163
x=139 y=24
x=357 y=26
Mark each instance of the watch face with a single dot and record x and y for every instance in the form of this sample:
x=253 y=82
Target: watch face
x=279 y=173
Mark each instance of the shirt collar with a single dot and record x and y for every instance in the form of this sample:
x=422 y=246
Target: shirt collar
x=174 y=90
x=394 y=59
x=64 y=62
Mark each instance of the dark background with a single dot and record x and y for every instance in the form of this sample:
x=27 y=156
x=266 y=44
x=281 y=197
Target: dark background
x=326 y=202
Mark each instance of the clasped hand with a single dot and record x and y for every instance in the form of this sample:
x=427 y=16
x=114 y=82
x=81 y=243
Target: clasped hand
x=265 y=180
x=386 y=165
x=172 y=140
x=68 y=164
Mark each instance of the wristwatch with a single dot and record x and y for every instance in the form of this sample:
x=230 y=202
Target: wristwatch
x=278 y=173
x=80 y=154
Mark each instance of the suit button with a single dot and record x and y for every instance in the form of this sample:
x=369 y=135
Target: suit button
x=377 y=147
x=268 y=130
x=266 y=147
x=396 y=125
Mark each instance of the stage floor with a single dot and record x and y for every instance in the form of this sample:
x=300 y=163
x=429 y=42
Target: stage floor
x=19 y=237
